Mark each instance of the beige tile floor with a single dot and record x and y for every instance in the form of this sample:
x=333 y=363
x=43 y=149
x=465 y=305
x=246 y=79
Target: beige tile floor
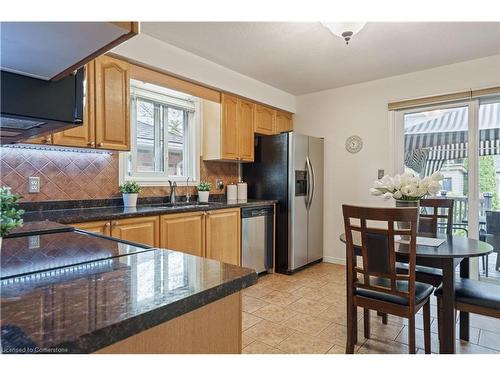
x=305 y=313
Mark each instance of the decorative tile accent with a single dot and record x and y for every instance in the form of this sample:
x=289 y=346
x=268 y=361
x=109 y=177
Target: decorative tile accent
x=64 y=175
x=68 y=175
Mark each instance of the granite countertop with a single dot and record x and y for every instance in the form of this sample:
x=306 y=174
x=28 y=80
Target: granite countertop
x=83 y=214
x=73 y=303
x=39 y=227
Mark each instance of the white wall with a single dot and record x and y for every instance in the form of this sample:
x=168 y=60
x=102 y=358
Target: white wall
x=156 y=53
x=361 y=109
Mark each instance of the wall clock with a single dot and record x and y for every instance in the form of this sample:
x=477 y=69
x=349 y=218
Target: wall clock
x=354 y=144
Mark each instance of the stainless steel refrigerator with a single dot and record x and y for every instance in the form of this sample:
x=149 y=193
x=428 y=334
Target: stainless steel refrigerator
x=289 y=168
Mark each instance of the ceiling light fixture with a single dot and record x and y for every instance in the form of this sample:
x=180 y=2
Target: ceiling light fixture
x=345 y=30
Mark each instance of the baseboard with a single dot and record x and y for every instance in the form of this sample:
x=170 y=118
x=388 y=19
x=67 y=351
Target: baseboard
x=334 y=260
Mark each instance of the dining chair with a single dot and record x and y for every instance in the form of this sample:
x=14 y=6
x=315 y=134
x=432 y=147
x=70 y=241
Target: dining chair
x=492 y=237
x=473 y=296
x=376 y=285
x=434 y=212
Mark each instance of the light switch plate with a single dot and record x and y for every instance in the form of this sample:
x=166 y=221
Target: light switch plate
x=380 y=174
x=33 y=184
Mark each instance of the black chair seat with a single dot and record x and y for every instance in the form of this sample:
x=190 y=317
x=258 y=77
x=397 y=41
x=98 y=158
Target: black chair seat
x=476 y=293
x=434 y=272
x=422 y=291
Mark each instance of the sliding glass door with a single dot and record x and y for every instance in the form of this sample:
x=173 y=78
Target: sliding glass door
x=489 y=185
x=462 y=141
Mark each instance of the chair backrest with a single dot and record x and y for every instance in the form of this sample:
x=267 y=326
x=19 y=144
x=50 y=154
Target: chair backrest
x=378 y=247
x=493 y=222
x=440 y=209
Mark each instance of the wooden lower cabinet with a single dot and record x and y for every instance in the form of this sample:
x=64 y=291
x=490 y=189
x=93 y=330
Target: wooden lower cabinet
x=100 y=227
x=211 y=329
x=223 y=235
x=183 y=232
x=143 y=230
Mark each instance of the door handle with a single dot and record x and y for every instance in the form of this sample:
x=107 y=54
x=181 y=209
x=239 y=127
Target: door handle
x=311 y=182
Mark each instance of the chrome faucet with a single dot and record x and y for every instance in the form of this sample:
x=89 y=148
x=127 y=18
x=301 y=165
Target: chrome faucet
x=188 y=194
x=173 y=186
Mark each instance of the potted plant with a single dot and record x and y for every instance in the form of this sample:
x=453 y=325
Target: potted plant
x=130 y=190
x=203 y=191
x=10 y=214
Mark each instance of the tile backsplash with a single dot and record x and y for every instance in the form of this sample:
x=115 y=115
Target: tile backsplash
x=67 y=175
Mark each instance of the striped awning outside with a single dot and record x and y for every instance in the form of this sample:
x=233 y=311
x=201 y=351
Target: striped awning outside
x=428 y=144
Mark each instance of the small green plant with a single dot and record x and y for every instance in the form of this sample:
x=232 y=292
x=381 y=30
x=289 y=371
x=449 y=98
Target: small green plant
x=130 y=187
x=204 y=186
x=11 y=216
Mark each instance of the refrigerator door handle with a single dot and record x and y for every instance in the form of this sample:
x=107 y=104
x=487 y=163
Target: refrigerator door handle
x=311 y=179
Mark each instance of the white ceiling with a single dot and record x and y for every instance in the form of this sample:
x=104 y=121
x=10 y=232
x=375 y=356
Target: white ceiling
x=305 y=57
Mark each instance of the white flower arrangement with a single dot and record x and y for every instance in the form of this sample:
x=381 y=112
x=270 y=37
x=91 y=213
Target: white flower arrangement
x=407 y=186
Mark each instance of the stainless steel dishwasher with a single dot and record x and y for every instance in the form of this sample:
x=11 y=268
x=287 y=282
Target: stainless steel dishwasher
x=257 y=238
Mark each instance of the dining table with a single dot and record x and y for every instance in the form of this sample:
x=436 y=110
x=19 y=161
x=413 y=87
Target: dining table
x=453 y=252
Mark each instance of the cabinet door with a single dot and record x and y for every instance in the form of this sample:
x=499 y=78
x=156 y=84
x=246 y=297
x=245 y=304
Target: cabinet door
x=183 y=232
x=143 y=230
x=100 y=227
x=83 y=135
x=245 y=130
x=284 y=122
x=112 y=104
x=229 y=130
x=265 y=118
x=223 y=235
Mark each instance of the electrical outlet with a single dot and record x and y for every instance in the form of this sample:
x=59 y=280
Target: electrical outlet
x=380 y=174
x=34 y=185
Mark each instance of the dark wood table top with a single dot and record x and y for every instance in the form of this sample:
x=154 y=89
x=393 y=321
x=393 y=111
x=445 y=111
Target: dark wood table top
x=453 y=247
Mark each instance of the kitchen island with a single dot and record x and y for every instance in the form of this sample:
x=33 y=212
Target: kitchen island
x=75 y=292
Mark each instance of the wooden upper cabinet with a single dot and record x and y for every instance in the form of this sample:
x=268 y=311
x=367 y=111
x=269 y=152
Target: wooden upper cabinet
x=223 y=239
x=100 y=227
x=83 y=135
x=265 y=119
x=143 y=230
x=229 y=128
x=284 y=122
x=183 y=232
x=245 y=129
x=112 y=104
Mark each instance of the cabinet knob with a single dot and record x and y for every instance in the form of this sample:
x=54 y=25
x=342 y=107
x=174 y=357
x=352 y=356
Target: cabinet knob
x=114 y=223
x=107 y=224
x=46 y=139
x=91 y=144
x=100 y=144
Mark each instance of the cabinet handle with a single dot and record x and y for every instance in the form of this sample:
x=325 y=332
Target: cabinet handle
x=91 y=144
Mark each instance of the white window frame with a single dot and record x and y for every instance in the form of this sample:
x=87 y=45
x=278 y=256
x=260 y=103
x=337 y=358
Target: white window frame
x=191 y=148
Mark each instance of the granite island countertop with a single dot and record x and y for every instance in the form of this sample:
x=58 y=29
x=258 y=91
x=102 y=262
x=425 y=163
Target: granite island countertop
x=107 y=293
x=84 y=214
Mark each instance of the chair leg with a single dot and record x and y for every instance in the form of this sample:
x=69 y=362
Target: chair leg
x=411 y=334
x=440 y=318
x=427 y=327
x=487 y=262
x=366 y=322
x=352 y=328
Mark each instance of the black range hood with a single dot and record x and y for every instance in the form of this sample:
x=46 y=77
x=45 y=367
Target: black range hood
x=33 y=107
